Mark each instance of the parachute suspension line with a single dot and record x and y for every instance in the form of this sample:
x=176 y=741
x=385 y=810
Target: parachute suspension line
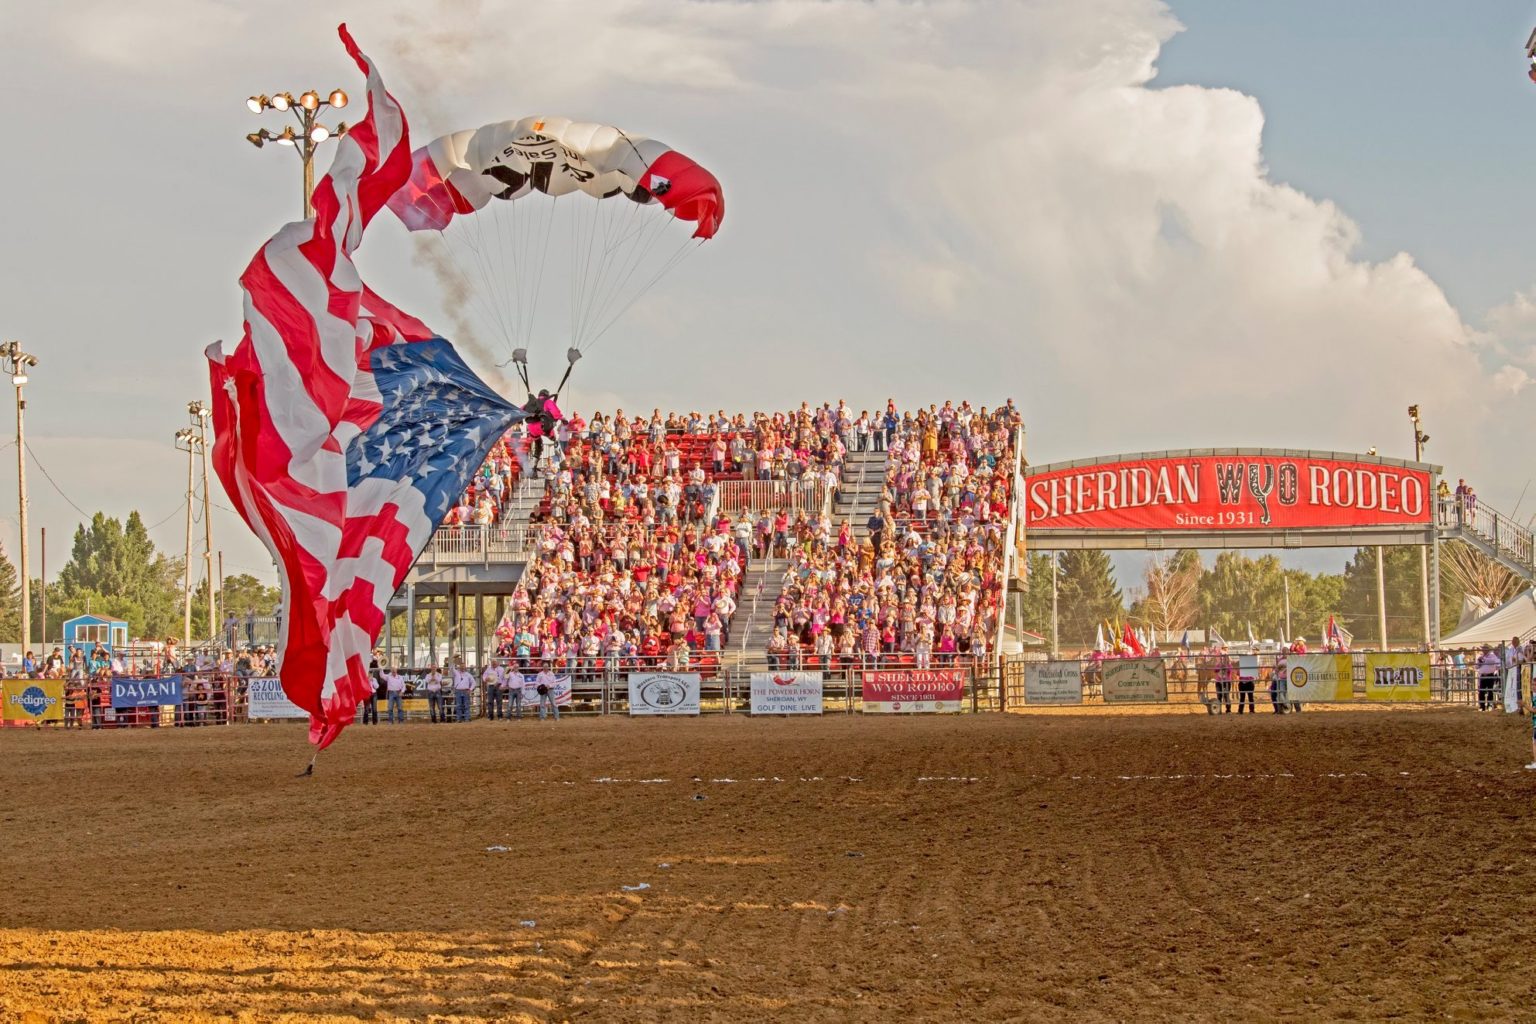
x=475 y=241
x=638 y=253
x=596 y=280
x=501 y=218
x=606 y=317
x=585 y=277
x=682 y=253
x=538 y=285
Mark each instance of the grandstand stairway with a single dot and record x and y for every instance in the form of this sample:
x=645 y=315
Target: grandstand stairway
x=1496 y=535
x=761 y=586
x=858 y=497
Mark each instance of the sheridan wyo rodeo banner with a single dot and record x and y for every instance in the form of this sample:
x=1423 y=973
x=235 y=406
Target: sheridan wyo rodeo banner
x=915 y=691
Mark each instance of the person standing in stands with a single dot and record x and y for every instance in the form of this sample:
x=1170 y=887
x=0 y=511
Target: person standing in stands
x=463 y=685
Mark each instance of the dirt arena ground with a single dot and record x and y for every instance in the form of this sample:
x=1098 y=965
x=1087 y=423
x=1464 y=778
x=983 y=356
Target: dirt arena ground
x=1105 y=868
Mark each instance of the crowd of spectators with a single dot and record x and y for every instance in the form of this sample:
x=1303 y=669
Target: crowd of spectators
x=924 y=587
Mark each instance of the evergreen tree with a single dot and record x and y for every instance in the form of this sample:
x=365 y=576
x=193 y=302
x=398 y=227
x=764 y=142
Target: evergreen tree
x=1086 y=595
x=115 y=570
x=1238 y=592
x=1403 y=592
x=1035 y=601
x=10 y=602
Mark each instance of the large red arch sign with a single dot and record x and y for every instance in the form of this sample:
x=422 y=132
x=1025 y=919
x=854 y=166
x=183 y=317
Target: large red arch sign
x=1228 y=489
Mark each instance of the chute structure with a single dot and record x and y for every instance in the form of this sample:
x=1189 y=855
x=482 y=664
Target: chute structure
x=521 y=207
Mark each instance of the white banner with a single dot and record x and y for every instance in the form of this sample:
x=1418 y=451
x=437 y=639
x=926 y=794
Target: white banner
x=664 y=693
x=562 y=690
x=265 y=699
x=1053 y=682
x=786 y=693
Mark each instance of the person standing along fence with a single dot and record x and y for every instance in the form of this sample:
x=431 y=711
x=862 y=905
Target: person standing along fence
x=463 y=684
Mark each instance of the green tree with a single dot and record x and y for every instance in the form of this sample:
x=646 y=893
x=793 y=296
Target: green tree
x=1035 y=602
x=1086 y=595
x=1313 y=600
x=10 y=602
x=115 y=570
x=1404 y=596
x=1238 y=592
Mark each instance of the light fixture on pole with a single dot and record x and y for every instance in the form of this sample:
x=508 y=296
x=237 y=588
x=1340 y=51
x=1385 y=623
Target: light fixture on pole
x=200 y=414
x=307 y=110
x=16 y=364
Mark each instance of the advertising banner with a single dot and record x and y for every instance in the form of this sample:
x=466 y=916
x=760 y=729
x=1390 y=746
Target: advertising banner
x=786 y=693
x=1053 y=682
x=915 y=691
x=1226 y=492
x=562 y=689
x=265 y=699
x=33 y=700
x=146 y=693
x=1392 y=677
x=1319 y=677
x=664 y=693
x=1134 y=681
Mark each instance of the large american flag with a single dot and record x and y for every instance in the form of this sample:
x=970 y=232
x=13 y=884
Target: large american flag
x=344 y=428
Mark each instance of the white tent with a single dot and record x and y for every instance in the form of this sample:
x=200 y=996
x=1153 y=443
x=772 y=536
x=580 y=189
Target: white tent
x=1515 y=617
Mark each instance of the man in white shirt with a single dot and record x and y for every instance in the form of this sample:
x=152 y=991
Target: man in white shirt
x=434 y=687
x=544 y=684
x=463 y=685
x=394 y=684
x=492 y=677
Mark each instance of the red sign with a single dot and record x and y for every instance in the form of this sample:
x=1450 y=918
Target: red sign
x=1227 y=492
x=914 y=690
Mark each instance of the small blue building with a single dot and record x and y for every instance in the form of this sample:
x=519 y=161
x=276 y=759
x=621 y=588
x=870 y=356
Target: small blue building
x=83 y=632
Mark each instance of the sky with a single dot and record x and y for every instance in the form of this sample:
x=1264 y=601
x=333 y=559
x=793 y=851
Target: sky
x=1196 y=224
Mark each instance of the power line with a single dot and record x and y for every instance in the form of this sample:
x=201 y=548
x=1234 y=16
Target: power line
x=55 y=483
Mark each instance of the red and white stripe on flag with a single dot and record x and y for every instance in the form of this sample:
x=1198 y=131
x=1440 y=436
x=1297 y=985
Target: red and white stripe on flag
x=286 y=402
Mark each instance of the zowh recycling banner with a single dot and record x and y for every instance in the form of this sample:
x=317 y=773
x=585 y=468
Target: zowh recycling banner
x=1319 y=677
x=265 y=699
x=1053 y=682
x=1396 y=677
x=33 y=700
x=1135 y=681
x=786 y=693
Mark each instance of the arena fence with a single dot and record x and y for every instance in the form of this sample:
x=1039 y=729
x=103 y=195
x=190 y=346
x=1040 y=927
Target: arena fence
x=1222 y=683
x=852 y=684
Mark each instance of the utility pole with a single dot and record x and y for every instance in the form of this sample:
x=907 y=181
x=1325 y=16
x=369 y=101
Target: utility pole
x=42 y=579
x=1420 y=439
x=1381 y=594
x=16 y=363
x=186 y=441
x=1287 y=581
x=1055 y=588
x=200 y=413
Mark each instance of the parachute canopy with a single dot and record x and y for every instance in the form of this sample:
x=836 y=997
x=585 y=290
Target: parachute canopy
x=520 y=209
x=460 y=173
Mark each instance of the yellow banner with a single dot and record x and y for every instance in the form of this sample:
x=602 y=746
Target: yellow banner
x=1319 y=677
x=1397 y=677
x=33 y=700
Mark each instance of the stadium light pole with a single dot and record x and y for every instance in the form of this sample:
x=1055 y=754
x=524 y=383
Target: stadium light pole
x=1420 y=439
x=17 y=362
x=311 y=133
x=186 y=441
x=200 y=413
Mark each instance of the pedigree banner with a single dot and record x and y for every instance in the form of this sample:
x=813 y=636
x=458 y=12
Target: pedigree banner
x=1135 y=681
x=1226 y=492
x=1393 y=677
